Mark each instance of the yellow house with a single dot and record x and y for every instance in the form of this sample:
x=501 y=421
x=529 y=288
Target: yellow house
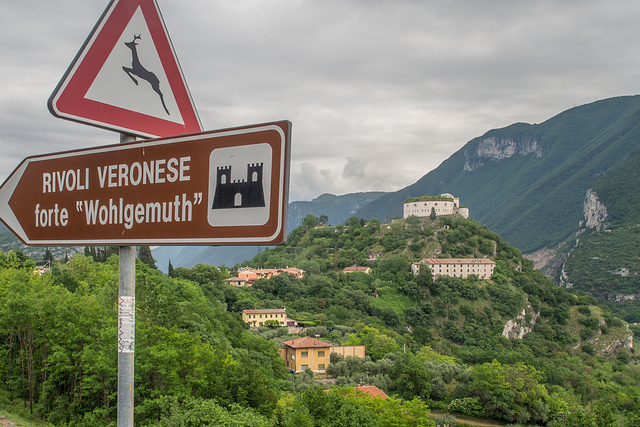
x=258 y=317
x=306 y=352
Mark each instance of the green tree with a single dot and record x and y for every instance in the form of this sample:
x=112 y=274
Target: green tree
x=335 y=409
x=412 y=221
x=391 y=411
x=48 y=256
x=377 y=341
x=145 y=255
x=196 y=412
x=432 y=215
x=170 y=269
x=411 y=377
x=510 y=392
x=309 y=221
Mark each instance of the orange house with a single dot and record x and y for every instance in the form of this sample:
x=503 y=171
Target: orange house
x=251 y=274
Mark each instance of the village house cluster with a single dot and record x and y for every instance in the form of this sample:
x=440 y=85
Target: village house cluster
x=300 y=353
x=305 y=353
x=246 y=275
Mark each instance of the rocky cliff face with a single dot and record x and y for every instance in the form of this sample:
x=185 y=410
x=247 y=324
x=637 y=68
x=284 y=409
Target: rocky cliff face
x=551 y=260
x=595 y=213
x=496 y=149
x=615 y=347
x=521 y=325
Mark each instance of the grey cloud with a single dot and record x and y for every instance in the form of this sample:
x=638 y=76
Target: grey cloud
x=354 y=168
x=378 y=92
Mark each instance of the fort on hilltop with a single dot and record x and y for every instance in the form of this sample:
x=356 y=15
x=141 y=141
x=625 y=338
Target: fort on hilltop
x=445 y=204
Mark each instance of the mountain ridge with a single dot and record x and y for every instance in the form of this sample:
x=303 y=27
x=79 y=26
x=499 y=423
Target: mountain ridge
x=516 y=188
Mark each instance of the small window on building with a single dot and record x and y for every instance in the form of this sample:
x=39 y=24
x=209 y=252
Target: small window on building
x=320 y=353
x=321 y=366
x=304 y=354
x=304 y=367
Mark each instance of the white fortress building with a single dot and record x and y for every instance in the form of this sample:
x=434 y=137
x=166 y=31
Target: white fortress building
x=456 y=267
x=445 y=204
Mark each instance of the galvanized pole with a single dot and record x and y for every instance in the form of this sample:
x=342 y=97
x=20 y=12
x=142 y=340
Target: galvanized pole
x=126 y=327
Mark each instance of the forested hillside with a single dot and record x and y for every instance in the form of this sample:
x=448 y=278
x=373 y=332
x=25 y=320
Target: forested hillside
x=605 y=262
x=528 y=182
x=442 y=344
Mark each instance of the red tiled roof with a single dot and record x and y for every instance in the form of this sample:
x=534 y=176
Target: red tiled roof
x=457 y=261
x=306 y=342
x=356 y=269
x=372 y=390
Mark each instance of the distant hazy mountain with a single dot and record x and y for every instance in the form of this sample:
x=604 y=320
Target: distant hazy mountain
x=337 y=208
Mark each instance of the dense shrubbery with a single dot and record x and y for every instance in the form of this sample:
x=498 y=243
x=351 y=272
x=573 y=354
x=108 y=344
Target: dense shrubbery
x=58 y=346
x=428 y=341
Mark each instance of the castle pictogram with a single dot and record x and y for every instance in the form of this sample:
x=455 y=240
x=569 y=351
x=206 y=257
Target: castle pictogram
x=239 y=193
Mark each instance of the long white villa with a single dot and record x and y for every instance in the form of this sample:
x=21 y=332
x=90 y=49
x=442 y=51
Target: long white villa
x=456 y=267
x=445 y=204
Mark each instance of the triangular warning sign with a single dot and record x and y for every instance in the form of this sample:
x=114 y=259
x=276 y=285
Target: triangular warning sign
x=126 y=77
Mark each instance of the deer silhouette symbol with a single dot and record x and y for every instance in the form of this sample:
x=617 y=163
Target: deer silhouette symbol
x=138 y=70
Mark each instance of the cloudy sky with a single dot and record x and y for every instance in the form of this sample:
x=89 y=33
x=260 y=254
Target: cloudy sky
x=379 y=92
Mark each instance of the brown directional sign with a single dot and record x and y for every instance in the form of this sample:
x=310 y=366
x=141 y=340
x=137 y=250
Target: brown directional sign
x=213 y=188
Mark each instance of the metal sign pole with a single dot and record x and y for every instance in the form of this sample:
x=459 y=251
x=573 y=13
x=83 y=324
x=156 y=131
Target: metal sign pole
x=126 y=327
